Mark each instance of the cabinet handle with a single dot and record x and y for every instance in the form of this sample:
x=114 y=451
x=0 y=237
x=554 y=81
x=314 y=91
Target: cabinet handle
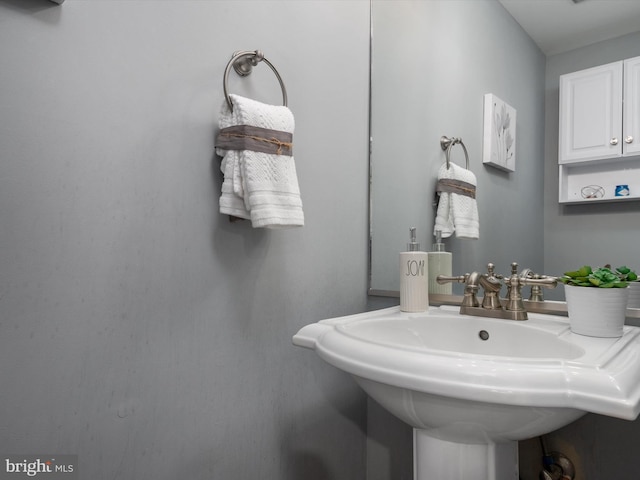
x=613 y=141
x=628 y=139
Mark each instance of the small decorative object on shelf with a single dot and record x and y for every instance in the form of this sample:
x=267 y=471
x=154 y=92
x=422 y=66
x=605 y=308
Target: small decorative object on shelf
x=622 y=190
x=592 y=191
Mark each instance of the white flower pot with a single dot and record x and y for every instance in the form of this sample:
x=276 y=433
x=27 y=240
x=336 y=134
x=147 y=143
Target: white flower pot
x=596 y=312
x=634 y=295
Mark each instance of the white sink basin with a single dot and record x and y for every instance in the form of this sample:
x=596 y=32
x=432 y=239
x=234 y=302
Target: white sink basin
x=463 y=380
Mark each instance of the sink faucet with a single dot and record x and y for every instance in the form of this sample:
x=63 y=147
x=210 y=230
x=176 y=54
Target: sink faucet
x=492 y=306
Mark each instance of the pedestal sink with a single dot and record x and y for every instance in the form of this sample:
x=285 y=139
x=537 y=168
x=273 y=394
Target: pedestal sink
x=471 y=387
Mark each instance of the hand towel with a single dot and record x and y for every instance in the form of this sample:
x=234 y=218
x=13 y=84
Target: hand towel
x=457 y=208
x=260 y=181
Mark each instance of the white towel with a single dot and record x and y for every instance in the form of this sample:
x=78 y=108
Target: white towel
x=259 y=186
x=457 y=212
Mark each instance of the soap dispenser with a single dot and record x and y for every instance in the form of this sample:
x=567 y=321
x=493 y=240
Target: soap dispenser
x=414 y=287
x=439 y=264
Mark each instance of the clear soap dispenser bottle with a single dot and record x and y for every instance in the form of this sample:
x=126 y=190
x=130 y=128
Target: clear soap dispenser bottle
x=439 y=264
x=414 y=287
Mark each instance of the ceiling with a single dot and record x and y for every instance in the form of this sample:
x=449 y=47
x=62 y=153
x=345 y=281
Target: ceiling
x=561 y=25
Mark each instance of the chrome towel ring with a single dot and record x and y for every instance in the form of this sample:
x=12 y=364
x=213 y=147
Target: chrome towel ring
x=447 y=143
x=243 y=63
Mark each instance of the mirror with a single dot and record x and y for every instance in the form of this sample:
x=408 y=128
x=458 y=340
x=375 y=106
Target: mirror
x=432 y=63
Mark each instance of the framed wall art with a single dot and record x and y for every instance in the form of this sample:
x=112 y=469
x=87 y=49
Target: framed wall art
x=499 y=145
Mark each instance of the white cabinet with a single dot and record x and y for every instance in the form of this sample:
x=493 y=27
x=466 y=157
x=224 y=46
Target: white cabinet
x=631 y=123
x=599 y=135
x=591 y=113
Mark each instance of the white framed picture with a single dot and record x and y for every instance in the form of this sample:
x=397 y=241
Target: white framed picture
x=499 y=145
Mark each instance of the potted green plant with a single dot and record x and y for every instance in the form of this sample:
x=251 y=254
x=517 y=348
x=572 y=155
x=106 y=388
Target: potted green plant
x=597 y=299
x=634 y=289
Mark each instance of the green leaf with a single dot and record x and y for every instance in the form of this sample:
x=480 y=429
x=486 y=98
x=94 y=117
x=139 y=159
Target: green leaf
x=582 y=272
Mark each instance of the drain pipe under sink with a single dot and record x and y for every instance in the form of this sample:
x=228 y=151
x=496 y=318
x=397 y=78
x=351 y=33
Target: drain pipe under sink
x=556 y=466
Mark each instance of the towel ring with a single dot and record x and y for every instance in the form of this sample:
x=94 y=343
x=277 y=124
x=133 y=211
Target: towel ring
x=447 y=143
x=243 y=63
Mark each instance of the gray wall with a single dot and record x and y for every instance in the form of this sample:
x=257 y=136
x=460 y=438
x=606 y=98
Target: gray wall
x=140 y=329
x=594 y=233
x=433 y=63
x=601 y=447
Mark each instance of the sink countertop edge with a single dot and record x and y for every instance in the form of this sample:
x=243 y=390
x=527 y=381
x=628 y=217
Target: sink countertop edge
x=550 y=382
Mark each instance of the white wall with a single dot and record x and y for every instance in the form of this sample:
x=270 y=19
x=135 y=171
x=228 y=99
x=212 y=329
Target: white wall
x=140 y=329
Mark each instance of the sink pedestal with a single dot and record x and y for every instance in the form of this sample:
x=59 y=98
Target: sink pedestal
x=435 y=459
x=472 y=386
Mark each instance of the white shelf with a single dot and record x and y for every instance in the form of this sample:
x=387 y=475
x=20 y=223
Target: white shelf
x=608 y=175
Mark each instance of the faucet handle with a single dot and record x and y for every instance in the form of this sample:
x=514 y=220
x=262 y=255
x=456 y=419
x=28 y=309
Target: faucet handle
x=541 y=280
x=536 y=290
x=470 y=290
x=514 y=268
x=537 y=281
x=491 y=268
x=442 y=279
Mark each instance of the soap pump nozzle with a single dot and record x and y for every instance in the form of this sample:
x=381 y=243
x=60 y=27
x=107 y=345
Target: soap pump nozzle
x=413 y=245
x=438 y=246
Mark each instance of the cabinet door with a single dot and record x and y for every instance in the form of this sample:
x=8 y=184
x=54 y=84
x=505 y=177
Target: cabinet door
x=631 y=137
x=591 y=114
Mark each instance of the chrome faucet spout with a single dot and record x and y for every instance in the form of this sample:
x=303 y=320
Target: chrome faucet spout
x=490 y=282
x=470 y=298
